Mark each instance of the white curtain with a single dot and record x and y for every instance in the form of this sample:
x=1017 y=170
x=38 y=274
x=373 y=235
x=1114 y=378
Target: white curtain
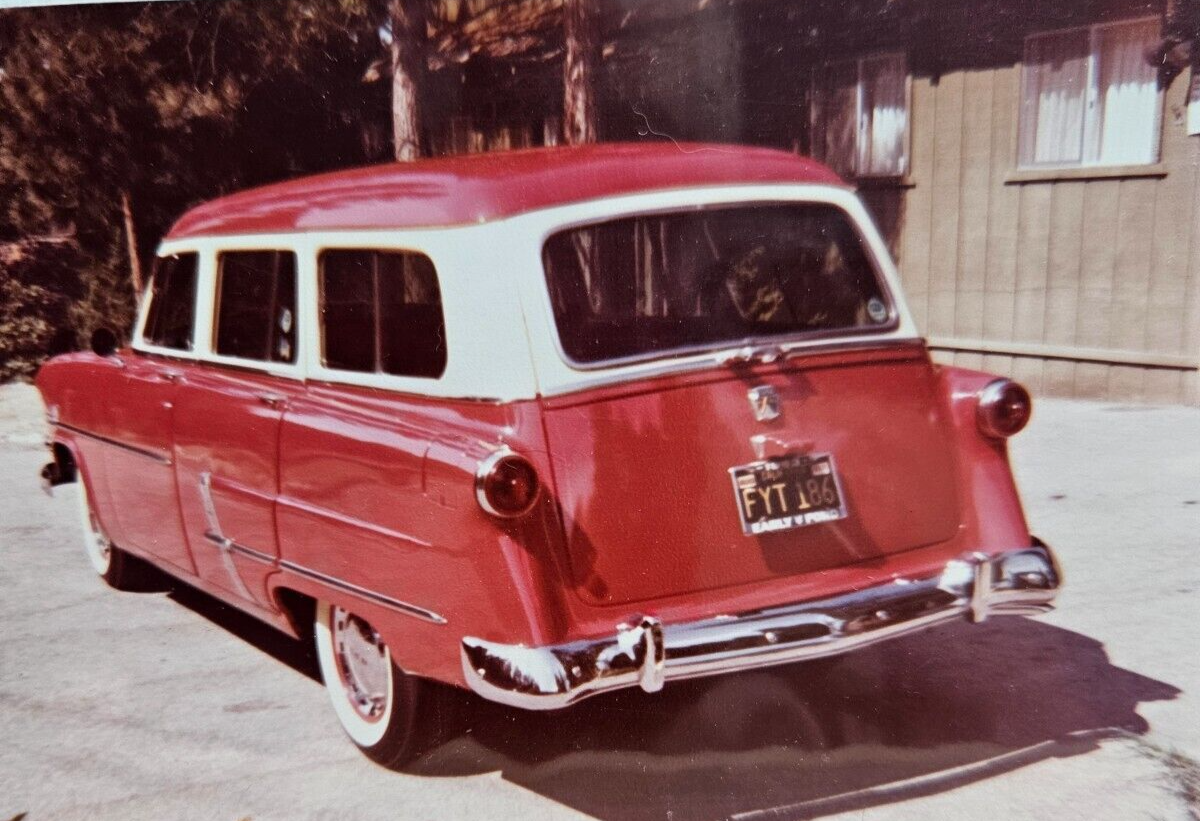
x=884 y=113
x=1056 y=73
x=1128 y=94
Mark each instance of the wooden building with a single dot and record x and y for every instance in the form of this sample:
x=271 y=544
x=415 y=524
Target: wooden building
x=1034 y=163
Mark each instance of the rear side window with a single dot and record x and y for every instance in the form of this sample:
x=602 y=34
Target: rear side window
x=256 y=305
x=172 y=312
x=381 y=312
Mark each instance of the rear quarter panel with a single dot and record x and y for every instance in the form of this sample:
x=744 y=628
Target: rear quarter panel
x=377 y=490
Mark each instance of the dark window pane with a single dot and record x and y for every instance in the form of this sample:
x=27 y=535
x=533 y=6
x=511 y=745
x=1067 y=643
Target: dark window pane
x=655 y=283
x=348 y=310
x=413 y=333
x=256 y=305
x=382 y=313
x=172 y=302
x=283 y=320
x=244 y=303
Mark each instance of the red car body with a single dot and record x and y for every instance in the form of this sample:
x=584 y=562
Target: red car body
x=269 y=489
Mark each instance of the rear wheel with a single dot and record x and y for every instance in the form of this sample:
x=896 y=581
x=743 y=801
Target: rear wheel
x=114 y=565
x=375 y=701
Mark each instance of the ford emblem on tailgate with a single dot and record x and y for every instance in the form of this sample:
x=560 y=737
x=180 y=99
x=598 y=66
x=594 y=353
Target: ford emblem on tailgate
x=764 y=402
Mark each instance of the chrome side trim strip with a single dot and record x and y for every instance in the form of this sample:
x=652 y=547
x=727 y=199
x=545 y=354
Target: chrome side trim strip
x=349 y=521
x=149 y=454
x=217 y=536
x=387 y=601
x=238 y=547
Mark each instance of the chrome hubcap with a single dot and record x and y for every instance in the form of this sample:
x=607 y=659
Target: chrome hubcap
x=100 y=542
x=362 y=663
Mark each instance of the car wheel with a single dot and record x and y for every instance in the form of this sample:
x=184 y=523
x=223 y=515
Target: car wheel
x=375 y=701
x=114 y=565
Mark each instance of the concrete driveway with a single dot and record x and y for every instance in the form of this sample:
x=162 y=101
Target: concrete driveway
x=167 y=705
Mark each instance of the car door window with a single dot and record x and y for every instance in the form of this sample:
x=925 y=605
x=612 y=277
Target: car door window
x=172 y=311
x=256 y=306
x=381 y=312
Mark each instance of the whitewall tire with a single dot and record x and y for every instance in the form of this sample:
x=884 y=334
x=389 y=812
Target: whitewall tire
x=375 y=701
x=113 y=565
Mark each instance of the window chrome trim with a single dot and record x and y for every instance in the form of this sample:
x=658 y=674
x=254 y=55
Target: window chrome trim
x=709 y=362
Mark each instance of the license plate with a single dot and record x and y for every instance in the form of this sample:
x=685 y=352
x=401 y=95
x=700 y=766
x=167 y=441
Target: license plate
x=787 y=492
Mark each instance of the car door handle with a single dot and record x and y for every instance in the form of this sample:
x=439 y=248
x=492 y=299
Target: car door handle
x=170 y=376
x=272 y=400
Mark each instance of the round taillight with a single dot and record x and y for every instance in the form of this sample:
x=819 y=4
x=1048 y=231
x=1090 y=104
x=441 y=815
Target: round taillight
x=506 y=484
x=1004 y=408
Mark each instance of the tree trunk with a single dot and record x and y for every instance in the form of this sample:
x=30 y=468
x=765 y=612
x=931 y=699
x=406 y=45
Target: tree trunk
x=582 y=37
x=408 y=67
x=135 y=263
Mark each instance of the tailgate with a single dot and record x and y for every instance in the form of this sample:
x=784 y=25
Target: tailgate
x=643 y=474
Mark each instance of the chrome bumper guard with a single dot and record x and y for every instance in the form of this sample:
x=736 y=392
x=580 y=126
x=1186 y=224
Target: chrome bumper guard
x=647 y=653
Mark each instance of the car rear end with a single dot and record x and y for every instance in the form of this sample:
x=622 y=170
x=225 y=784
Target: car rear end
x=751 y=456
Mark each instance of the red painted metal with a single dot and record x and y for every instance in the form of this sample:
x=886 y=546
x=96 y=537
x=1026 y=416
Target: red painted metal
x=139 y=475
x=224 y=428
x=647 y=499
x=480 y=187
x=377 y=490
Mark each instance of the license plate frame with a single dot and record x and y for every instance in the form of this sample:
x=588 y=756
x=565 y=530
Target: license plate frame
x=785 y=503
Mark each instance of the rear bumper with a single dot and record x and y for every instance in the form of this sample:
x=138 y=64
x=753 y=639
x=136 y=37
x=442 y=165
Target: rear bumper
x=1023 y=581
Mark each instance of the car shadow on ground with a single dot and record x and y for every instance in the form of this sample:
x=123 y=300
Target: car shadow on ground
x=923 y=714
x=919 y=715
x=299 y=655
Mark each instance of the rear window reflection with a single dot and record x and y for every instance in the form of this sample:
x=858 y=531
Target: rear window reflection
x=650 y=284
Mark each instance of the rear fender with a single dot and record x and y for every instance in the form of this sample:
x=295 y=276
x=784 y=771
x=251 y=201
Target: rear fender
x=992 y=504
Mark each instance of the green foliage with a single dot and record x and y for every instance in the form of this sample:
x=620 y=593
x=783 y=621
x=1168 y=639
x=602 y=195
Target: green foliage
x=167 y=104
x=34 y=305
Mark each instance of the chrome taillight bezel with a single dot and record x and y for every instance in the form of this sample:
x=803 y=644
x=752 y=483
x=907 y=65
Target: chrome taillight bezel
x=485 y=471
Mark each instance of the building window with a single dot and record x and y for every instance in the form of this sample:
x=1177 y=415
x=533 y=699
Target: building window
x=1089 y=97
x=256 y=306
x=860 y=116
x=381 y=312
x=172 y=308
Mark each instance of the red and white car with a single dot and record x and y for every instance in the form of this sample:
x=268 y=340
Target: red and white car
x=545 y=424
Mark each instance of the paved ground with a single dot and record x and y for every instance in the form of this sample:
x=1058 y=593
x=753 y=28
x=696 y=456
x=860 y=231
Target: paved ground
x=169 y=706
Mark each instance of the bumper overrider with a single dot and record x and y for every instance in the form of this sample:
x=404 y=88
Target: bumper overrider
x=647 y=653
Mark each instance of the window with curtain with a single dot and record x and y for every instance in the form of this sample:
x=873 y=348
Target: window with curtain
x=1089 y=97
x=860 y=116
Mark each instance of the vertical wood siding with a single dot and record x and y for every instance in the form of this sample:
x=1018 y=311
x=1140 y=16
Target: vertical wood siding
x=1102 y=264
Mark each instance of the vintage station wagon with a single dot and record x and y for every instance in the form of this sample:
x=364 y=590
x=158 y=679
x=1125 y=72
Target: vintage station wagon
x=544 y=424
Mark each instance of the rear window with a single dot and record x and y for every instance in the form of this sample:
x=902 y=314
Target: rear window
x=256 y=305
x=172 y=312
x=381 y=312
x=649 y=284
